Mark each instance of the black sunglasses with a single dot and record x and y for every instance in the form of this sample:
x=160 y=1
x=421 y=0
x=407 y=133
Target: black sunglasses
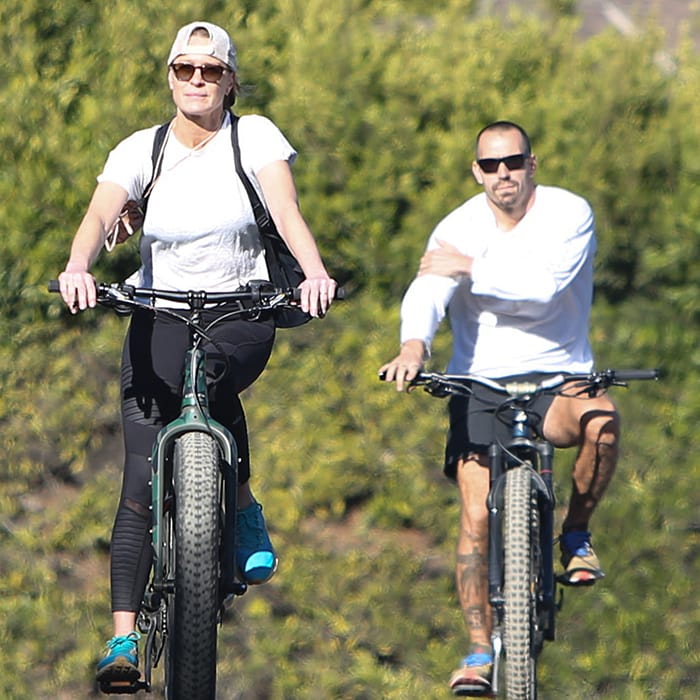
x=514 y=162
x=185 y=71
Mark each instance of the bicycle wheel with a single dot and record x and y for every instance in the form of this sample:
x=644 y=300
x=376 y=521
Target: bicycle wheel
x=194 y=617
x=520 y=587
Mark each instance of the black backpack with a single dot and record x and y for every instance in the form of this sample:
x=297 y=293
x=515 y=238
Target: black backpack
x=285 y=272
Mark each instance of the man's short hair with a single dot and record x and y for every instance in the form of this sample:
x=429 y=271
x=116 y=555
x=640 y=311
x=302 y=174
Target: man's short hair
x=504 y=125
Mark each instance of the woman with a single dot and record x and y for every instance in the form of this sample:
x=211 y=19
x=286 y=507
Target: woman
x=199 y=233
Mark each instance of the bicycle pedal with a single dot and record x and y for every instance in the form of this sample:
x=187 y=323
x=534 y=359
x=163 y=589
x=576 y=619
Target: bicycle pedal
x=564 y=580
x=473 y=690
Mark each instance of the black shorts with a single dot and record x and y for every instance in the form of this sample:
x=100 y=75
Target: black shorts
x=473 y=425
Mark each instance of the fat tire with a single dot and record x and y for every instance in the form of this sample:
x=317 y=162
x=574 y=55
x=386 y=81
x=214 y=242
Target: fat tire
x=521 y=539
x=194 y=622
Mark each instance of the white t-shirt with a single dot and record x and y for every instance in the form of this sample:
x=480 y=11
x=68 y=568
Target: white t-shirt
x=526 y=307
x=199 y=232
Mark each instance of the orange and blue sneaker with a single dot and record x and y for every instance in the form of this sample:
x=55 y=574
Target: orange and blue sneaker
x=120 y=666
x=473 y=678
x=581 y=565
x=255 y=557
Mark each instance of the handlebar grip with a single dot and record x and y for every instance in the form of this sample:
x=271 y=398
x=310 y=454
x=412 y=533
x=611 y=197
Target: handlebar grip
x=339 y=294
x=54 y=286
x=625 y=375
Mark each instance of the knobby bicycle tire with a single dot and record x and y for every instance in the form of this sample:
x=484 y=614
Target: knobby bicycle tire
x=520 y=587
x=194 y=632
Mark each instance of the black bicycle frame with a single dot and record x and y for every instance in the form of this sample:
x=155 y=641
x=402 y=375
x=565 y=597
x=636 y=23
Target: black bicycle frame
x=538 y=456
x=524 y=451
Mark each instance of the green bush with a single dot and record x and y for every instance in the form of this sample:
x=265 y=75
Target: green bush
x=382 y=100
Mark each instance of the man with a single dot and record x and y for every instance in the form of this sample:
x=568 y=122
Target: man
x=513 y=267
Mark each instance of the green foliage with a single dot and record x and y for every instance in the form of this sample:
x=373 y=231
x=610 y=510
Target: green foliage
x=382 y=100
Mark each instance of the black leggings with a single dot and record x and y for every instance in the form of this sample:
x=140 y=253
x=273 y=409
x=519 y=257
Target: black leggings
x=152 y=364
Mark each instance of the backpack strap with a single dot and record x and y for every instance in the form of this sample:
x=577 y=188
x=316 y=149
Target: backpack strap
x=156 y=160
x=284 y=269
x=262 y=218
x=132 y=215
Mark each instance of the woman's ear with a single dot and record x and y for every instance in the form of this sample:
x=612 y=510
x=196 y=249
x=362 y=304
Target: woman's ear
x=231 y=83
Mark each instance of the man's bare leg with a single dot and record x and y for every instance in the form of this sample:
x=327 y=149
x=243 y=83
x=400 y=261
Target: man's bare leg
x=472 y=549
x=593 y=425
x=472 y=571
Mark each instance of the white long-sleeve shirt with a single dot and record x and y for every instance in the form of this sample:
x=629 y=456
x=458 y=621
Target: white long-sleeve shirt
x=527 y=304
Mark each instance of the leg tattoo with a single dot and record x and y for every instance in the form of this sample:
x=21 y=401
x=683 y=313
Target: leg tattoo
x=471 y=584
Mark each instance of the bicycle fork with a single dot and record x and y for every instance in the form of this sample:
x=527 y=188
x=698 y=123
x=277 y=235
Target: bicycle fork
x=542 y=489
x=194 y=416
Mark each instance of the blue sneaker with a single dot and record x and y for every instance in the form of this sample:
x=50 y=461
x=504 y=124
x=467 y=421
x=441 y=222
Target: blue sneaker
x=474 y=677
x=121 y=662
x=580 y=562
x=255 y=558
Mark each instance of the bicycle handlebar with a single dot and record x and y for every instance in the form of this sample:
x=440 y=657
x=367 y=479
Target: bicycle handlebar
x=439 y=384
x=256 y=292
x=629 y=375
x=255 y=299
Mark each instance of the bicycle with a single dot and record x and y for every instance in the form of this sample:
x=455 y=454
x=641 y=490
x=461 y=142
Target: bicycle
x=194 y=495
x=521 y=579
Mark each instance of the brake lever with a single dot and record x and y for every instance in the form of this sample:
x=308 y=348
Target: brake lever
x=438 y=389
x=118 y=297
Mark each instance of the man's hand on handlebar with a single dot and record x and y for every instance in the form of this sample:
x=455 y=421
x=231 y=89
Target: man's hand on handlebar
x=406 y=365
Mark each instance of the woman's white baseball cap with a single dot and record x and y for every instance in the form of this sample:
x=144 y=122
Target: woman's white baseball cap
x=220 y=45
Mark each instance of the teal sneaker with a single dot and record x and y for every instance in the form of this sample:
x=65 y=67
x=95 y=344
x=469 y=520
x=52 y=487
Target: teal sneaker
x=255 y=558
x=474 y=676
x=121 y=662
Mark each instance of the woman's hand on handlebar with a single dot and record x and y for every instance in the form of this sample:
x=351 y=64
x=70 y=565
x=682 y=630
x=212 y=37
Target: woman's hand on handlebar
x=78 y=289
x=317 y=294
x=406 y=365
